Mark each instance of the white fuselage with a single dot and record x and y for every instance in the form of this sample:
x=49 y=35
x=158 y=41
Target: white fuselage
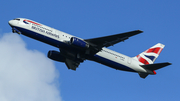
x=60 y=40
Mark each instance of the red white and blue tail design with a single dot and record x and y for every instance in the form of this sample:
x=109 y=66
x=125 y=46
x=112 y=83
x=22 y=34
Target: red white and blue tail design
x=150 y=55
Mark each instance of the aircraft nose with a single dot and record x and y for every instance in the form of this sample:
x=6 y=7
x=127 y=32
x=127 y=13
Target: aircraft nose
x=11 y=23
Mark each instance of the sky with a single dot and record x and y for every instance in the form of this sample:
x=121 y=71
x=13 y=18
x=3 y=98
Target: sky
x=27 y=74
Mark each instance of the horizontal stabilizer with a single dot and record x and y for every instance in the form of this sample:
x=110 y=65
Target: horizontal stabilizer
x=155 y=66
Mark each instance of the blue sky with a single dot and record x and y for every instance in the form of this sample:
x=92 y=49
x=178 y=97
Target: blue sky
x=89 y=19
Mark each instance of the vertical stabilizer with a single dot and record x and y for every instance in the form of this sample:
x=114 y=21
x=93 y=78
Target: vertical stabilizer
x=150 y=55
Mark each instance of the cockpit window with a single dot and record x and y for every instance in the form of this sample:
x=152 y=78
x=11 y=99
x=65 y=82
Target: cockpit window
x=17 y=19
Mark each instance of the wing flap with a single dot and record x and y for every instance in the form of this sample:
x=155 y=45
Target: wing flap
x=72 y=64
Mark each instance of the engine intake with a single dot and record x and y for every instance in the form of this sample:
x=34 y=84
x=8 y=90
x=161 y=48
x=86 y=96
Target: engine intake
x=78 y=43
x=54 y=55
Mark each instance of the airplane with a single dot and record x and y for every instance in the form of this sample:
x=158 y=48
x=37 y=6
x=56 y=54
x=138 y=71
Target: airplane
x=74 y=50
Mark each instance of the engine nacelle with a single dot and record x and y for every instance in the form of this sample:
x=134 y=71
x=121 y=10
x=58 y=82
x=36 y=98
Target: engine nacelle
x=54 y=55
x=78 y=43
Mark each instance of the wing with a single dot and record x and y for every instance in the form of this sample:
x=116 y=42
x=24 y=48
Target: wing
x=107 y=41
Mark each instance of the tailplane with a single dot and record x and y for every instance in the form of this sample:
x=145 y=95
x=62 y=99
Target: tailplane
x=151 y=68
x=155 y=66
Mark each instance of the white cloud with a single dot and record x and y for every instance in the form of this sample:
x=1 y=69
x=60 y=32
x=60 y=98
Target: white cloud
x=25 y=75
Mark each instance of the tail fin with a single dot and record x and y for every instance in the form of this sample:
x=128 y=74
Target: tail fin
x=150 y=55
x=147 y=59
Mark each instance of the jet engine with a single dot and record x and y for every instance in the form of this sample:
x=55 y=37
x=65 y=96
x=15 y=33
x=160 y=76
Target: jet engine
x=54 y=55
x=79 y=43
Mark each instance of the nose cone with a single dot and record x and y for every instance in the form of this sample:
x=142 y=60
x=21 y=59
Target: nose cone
x=12 y=23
